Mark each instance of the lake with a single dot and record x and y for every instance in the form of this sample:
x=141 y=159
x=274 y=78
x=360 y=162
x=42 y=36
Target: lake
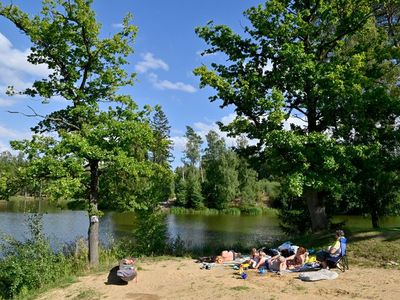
x=195 y=230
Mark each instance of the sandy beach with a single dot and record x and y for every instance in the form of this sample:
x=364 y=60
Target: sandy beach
x=183 y=279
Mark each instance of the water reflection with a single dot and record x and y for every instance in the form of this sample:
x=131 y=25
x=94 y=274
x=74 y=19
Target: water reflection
x=195 y=230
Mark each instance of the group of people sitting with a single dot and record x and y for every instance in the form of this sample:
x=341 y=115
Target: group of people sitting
x=286 y=258
x=279 y=262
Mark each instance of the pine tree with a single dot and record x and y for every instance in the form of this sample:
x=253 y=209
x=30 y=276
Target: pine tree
x=163 y=144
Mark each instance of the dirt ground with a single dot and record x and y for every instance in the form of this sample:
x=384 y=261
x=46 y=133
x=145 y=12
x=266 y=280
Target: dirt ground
x=183 y=279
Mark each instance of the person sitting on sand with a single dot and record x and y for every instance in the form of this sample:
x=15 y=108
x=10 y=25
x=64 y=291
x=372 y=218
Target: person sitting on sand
x=254 y=258
x=227 y=256
x=262 y=259
x=333 y=251
x=297 y=260
x=276 y=263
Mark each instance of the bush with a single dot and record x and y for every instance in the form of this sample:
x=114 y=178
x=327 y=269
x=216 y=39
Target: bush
x=151 y=233
x=31 y=264
x=252 y=210
x=230 y=211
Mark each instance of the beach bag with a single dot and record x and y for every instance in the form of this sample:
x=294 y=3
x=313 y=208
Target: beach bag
x=127 y=271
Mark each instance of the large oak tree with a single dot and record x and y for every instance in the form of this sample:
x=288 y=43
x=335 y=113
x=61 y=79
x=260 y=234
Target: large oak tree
x=291 y=64
x=100 y=132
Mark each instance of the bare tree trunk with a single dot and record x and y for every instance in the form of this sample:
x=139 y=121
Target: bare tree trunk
x=372 y=199
x=375 y=218
x=94 y=241
x=93 y=233
x=319 y=220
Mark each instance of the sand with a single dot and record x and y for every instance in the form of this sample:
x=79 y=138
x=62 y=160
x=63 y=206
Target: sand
x=183 y=279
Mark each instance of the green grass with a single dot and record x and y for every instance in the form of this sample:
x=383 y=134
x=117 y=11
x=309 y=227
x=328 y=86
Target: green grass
x=251 y=210
x=33 y=294
x=369 y=248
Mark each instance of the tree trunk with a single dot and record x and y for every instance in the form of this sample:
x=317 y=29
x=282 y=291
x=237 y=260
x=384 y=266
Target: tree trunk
x=93 y=241
x=93 y=233
x=375 y=218
x=374 y=209
x=319 y=220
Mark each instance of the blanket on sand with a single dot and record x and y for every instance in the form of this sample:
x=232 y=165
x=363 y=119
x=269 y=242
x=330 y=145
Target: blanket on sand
x=322 y=274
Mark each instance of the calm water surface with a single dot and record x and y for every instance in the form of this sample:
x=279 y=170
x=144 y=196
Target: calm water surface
x=195 y=230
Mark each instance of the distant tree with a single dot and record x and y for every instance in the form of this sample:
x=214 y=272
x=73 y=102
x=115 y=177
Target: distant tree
x=161 y=153
x=188 y=177
x=291 y=66
x=194 y=196
x=11 y=174
x=180 y=186
x=249 y=187
x=221 y=178
x=76 y=146
x=192 y=153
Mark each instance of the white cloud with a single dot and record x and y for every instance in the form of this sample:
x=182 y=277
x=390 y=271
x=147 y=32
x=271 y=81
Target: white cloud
x=6 y=102
x=228 y=119
x=295 y=121
x=4 y=147
x=179 y=143
x=14 y=61
x=16 y=71
x=12 y=134
x=268 y=67
x=168 y=85
x=149 y=62
x=202 y=128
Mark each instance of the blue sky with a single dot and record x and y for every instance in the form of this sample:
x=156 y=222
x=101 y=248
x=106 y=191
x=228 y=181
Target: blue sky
x=166 y=52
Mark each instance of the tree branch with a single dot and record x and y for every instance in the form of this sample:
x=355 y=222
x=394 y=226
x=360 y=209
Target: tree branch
x=35 y=114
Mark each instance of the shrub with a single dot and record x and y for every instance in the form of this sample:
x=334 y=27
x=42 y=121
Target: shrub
x=31 y=264
x=252 y=210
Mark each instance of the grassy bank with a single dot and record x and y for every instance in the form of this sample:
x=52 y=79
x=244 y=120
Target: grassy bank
x=251 y=211
x=369 y=248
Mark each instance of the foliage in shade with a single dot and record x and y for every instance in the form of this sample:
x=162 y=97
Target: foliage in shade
x=11 y=174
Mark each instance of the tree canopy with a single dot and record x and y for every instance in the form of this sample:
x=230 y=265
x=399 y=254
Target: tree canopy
x=317 y=65
x=101 y=138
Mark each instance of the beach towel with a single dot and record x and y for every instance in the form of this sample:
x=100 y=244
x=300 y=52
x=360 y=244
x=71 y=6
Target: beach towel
x=308 y=267
x=322 y=274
